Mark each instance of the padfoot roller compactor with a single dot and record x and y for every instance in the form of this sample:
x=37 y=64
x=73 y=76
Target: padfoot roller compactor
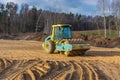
x=61 y=41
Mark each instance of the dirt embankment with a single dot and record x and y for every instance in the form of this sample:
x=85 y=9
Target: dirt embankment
x=22 y=36
x=93 y=40
x=99 y=41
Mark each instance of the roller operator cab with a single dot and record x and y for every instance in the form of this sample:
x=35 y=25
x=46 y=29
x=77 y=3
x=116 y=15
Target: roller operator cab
x=61 y=41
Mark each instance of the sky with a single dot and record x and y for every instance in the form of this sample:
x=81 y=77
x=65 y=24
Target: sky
x=86 y=7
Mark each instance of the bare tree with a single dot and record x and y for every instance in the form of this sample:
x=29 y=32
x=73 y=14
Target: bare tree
x=109 y=21
x=38 y=20
x=1 y=7
x=23 y=17
x=116 y=13
x=103 y=7
x=12 y=10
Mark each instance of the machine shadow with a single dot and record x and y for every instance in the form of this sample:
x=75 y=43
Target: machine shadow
x=102 y=53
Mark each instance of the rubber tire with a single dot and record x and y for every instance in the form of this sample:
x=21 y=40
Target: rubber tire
x=51 y=46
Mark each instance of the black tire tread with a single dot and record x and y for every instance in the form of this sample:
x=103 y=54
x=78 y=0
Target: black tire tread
x=52 y=46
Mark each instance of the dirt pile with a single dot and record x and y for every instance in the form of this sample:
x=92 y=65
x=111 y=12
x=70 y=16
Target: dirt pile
x=99 y=41
x=6 y=37
x=94 y=41
x=23 y=36
x=29 y=36
x=106 y=42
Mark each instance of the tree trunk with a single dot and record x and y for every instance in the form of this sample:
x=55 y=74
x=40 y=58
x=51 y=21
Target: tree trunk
x=105 y=29
x=109 y=29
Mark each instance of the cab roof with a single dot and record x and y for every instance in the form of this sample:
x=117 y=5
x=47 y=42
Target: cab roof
x=60 y=25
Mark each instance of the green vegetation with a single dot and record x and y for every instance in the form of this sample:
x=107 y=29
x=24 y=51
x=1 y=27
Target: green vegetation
x=99 y=33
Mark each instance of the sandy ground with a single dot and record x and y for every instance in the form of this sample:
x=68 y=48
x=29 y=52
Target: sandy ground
x=26 y=60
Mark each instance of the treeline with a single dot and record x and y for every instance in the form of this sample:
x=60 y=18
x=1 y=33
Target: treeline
x=14 y=20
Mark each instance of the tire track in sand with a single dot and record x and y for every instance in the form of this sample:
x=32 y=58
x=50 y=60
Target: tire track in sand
x=53 y=70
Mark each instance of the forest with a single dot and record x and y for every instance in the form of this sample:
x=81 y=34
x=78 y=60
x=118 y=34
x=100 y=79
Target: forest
x=14 y=20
